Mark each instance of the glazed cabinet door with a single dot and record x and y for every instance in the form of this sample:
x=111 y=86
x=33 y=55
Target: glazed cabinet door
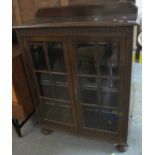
x=48 y=61
x=98 y=79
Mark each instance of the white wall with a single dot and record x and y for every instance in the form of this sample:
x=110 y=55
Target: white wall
x=139 y=4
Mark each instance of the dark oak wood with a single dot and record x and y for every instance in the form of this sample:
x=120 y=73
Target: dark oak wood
x=24 y=10
x=83 y=2
x=107 y=10
x=118 y=14
x=122 y=148
x=46 y=131
x=73 y=113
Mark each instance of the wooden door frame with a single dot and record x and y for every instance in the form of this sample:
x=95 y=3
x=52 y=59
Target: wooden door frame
x=122 y=40
x=29 y=62
x=126 y=32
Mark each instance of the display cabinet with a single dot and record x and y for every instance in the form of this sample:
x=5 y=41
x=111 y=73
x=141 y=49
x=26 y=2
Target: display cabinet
x=79 y=69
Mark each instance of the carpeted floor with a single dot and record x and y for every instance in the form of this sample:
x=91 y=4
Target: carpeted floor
x=34 y=143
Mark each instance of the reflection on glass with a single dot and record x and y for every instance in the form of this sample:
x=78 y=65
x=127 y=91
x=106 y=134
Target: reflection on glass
x=108 y=59
x=56 y=57
x=53 y=111
x=38 y=57
x=62 y=92
x=100 y=119
x=86 y=58
x=109 y=121
x=60 y=78
x=88 y=90
x=88 y=82
x=53 y=86
x=43 y=78
x=109 y=98
x=91 y=117
x=89 y=96
x=47 y=90
x=54 y=91
x=51 y=78
x=109 y=83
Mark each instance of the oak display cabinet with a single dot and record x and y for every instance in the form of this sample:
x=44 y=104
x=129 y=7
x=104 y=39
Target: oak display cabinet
x=80 y=71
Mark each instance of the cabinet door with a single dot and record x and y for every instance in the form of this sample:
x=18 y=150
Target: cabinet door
x=48 y=59
x=98 y=80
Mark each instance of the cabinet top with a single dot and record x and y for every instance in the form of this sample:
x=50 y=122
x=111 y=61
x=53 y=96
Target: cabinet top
x=108 y=14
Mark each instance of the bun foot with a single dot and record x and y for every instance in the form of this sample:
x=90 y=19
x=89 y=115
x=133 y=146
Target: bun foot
x=46 y=131
x=122 y=148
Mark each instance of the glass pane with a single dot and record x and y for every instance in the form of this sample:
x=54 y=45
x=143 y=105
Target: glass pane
x=60 y=78
x=55 y=91
x=109 y=83
x=54 y=78
x=104 y=119
x=61 y=87
x=88 y=82
x=55 y=111
x=43 y=78
x=53 y=86
x=108 y=58
x=45 y=84
x=109 y=121
x=62 y=92
x=109 y=98
x=38 y=57
x=56 y=57
x=47 y=90
x=86 y=58
x=91 y=117
x=88 y=90
x=89 y=96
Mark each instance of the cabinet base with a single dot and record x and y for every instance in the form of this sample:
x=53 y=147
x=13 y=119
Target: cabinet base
x=46 y=131
x=121 y=148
